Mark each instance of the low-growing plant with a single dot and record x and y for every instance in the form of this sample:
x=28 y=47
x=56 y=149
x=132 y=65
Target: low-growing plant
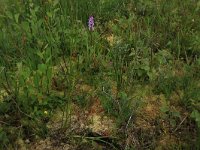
x=47 y=49
x=83 y=100
x=170 y=115
x=119 y=106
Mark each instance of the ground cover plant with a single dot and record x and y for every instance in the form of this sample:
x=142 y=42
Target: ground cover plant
x=99 y=74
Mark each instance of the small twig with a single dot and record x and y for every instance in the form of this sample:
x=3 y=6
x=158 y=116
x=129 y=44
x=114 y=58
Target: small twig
x=2 y=68
x=23 y=112
x=65 y=76
x=180 y=124
x=120 y=108
x=96 y=139
x=108 y=94
x=116 y=100
x=7 y=90
x=129 y=121
x=186 y=57
x=4 y=123
x=127 y=129
x=8 y=85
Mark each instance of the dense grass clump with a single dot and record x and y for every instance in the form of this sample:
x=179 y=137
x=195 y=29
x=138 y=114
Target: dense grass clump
x=128 y=81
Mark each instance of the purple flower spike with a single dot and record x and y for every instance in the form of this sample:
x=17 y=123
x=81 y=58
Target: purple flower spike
x=91 y=23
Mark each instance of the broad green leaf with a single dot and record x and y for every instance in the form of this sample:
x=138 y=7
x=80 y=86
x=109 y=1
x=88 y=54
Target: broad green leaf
x=26 y=73
x=196 y=115
x=164 y=109
x=16 y=18
x=42 y=68
x=49 y=73
x=55 y=2
x=40 y=54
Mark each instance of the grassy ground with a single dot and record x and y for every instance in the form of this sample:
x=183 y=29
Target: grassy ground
x=131 y=83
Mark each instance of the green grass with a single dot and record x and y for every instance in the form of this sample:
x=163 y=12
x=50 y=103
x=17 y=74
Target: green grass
x=49 y=60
